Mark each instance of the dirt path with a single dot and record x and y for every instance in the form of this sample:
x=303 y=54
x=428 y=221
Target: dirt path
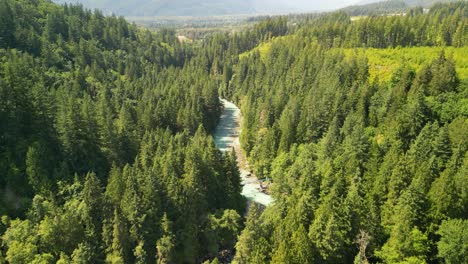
x=226 y=137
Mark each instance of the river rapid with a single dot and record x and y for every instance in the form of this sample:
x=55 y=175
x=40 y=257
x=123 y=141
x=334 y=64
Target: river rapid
x=226 y=137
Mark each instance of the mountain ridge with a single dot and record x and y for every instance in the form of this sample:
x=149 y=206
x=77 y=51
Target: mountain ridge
x=202 y=8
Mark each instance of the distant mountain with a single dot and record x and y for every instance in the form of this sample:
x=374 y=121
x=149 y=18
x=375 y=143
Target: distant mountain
x=385 y=7
x=426 y=3
x=369 y=7
x=236 y=7
x=208 y=7
x=409 y=3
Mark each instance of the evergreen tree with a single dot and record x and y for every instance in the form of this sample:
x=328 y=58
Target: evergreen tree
x=7 y=25
x=452 y=245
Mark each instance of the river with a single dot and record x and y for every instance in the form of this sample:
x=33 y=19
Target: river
x=226 y=137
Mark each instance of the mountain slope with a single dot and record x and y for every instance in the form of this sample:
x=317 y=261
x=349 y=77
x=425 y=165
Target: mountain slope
x=388 y=7
x=410 y=3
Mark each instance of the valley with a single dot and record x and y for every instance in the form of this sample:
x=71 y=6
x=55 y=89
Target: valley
x=299 y=138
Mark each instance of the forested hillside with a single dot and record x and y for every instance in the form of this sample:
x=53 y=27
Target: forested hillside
x=360 y=126
x=366 y=148
x=366 y=8
x=104 y=151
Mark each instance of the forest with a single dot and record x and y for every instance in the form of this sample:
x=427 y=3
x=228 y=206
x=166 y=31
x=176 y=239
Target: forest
x=106 y=153
x=366 y=148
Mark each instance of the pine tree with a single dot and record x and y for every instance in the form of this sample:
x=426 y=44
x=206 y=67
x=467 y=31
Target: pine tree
x=330 y=230
x=459 y=39
x=407 y=242
x=140 y=253
x=35 y=168
x=165 y=245
x=118 y=253
x=93 y=213
x=252 y=247
x=115 y=185
x=444 y=193
x=452 y=246
x=7 y=25
x=301 y=250
x=444 y=76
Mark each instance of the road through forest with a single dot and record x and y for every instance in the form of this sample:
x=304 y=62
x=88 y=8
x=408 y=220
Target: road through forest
x=226 y=137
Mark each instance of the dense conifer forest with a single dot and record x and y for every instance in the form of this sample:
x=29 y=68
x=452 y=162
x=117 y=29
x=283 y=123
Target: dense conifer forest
x=366 y=165
x=104 y=148
x=106 y=154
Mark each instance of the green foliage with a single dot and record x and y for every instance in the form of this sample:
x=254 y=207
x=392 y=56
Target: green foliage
x=7 y=25
x=384 y=62
x=453 y=242
x=252 y=246
x=105 y=153
x=356 y=139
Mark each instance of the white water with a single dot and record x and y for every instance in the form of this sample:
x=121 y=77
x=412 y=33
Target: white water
x=226 y=137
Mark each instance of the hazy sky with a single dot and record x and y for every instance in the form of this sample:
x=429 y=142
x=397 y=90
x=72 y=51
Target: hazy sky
x=184 y=7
